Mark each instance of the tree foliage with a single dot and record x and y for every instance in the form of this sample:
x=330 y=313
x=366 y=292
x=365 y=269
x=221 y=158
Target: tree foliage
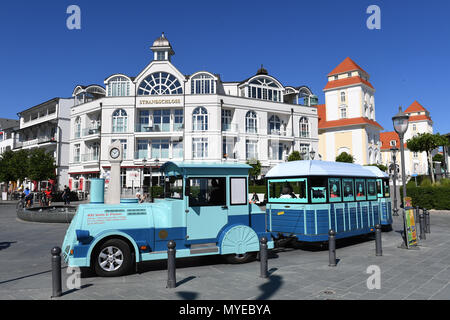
x=380 y=166
x=255 y=170
x=294 y=156
x=427 y=142
x=345 y=157
x=41 y=165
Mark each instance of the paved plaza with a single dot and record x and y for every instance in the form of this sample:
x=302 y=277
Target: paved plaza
x=295 y=273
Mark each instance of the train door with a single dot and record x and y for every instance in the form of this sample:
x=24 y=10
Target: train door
x=207 y=210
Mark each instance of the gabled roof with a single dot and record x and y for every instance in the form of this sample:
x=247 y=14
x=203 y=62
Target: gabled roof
x=346 y=66
x=415 y=107
x=387 y=137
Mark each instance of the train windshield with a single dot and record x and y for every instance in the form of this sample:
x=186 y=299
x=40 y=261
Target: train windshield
x=174 y=187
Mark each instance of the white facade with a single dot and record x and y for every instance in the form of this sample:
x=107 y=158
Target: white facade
x=47 y=126
x=162 y=114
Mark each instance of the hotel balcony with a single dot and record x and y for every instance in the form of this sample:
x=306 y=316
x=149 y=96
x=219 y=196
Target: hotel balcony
x=160 y=127
x=89 y=157
x=91 y=131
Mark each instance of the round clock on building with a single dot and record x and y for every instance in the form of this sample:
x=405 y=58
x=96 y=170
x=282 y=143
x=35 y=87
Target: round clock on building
x=114 y=153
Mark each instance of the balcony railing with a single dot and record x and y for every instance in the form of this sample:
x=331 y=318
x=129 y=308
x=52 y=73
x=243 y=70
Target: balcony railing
x=279 y=132
x=89 y=157
x=144 y=127
x=232 y=127
x=91 y=131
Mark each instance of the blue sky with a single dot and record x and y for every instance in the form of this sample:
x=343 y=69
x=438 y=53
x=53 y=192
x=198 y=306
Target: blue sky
x=299 y=42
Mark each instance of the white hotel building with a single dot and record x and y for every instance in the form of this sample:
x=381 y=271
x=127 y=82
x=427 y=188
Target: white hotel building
x=162 y=114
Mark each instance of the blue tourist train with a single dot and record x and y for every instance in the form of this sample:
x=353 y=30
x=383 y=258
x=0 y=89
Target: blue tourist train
x=308 y=198
x=205 y=210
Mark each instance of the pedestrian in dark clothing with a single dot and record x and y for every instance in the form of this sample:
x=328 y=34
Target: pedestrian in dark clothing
x=66 y=195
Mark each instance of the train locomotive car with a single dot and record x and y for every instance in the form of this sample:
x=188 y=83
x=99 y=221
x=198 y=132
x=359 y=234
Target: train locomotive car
x=205 y=210
x=306 y=199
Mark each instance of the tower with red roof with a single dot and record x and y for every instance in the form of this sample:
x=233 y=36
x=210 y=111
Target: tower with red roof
x=347 y=119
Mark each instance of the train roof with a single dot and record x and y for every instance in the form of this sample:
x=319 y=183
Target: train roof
x=378 y=172
x=204 y=168
x=319 y=168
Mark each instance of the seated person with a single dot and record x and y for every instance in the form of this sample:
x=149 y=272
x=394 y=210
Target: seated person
x=287 y=192
x=216 y=195
x=333 y=193
x=348 y=191
x=360 y=191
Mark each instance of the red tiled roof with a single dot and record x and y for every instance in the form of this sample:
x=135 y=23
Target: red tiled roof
x=346 y=82
x=419 y=118
x=348 y=122
x=346 y=66
x=387 y=137
x=415 y=107
x=322 y=113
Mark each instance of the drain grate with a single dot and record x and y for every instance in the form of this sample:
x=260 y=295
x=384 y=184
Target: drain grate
x=328 y=292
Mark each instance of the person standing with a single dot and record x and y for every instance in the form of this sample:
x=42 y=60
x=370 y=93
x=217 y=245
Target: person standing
x=66 y=195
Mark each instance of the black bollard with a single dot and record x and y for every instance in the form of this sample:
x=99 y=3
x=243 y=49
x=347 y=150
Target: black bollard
x=332 y=248
x=263 y=257
x=378 y=248
x=56 y=272
x=422 y=227
x=427 y=221
x=171 y=280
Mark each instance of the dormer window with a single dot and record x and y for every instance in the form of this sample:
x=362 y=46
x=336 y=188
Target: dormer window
x=203 y=84
x=393 y=143
x=343 y=111
x=264 y=88
x=118 y=87
x=160 y=55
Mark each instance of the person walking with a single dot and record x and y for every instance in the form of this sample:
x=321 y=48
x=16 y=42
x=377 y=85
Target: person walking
x=66 y=195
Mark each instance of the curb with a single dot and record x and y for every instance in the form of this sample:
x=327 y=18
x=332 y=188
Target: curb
x=53 y=214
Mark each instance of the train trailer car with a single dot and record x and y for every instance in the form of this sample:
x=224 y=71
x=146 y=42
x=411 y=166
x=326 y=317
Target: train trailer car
x=205 y=210
x=384 y=197
x=306 y=199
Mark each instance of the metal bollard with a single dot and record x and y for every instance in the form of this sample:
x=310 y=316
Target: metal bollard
x=422 y=227
x=332 y=248
x=171 y=280
x=56 y=272
x=427 y=221
x=263 y=257
x=378 y=248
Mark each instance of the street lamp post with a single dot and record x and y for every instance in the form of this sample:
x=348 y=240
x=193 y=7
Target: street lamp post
x=312 y=153
x=394 y=151
x=144 y=162
x=400 y=122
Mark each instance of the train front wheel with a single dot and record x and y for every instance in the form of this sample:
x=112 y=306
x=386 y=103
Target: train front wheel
x=240 y=258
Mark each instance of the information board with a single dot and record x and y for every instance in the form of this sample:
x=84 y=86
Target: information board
x=410 y=224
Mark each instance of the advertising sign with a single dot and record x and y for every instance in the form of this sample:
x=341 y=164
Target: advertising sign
x=410 y=224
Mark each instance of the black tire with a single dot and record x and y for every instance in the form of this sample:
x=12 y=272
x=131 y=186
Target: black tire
x=114 y=250
x=19 y=205
x=240 y=258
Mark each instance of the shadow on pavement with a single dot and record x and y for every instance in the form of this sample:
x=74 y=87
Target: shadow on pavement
x=269 y=288
x=6 y=244
x=187 y=295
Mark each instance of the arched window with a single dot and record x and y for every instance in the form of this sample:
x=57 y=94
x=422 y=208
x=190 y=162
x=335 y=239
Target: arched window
x=251 y=122
x=265 y=89
x=304 y=127
x=371 y=112
x=200 y=119
x=342 y=96
x=77 y=127
x=160 y=83
x=203 y=84
x=119 y=121
x=274 y=125
x=118 y=86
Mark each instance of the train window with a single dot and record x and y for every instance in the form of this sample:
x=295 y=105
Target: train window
x=174 y=187
x=386 y=187
x=207 y=192
x=288 y=190
x=334 y=188
x=318 y=189
x=238 y=191
x=371 y=189
x=379 y=188
x=348 y=189
x=360 y=189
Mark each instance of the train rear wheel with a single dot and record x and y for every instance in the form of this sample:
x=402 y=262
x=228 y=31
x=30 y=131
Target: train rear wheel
x=240 y=258
x=112 y=258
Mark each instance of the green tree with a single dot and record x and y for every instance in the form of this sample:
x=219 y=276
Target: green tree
x=20 y=164
x=255 y=170
x=6 y=162
x=427 y=142
x=294 y=156
x=345 y=157
x=439 y=157
x=41 y=165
